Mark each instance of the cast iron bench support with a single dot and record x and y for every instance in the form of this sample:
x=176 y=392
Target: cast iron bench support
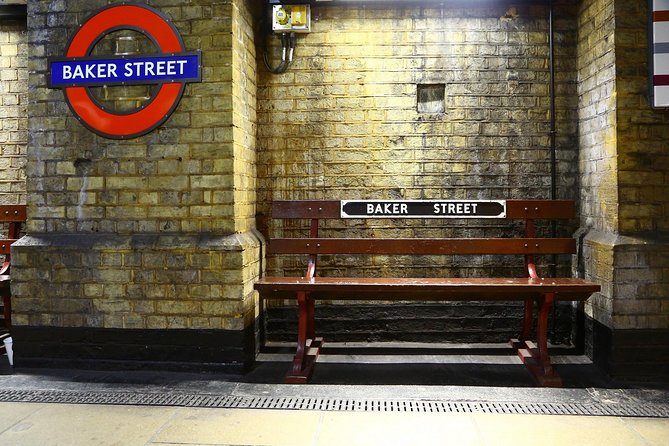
x=530 y=289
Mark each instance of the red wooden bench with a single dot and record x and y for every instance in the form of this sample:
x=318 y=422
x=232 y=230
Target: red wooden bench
x=530 y=289
x=14 y=216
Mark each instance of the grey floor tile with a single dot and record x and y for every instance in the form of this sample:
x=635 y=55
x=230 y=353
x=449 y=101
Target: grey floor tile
x=559 y=430
x=70 y=425
x=384 y=429
x=13 y=413
x=240 y=427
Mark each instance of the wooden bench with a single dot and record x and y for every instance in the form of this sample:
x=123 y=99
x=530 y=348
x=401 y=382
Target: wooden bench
x=14 y=216
x=530 y=289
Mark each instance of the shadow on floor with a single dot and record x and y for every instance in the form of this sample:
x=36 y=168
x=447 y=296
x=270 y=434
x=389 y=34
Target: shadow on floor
x=487 y=366
x=422 y=366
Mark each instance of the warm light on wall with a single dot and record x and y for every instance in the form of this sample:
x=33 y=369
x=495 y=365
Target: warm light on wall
x=445 y=2
x=409 y=2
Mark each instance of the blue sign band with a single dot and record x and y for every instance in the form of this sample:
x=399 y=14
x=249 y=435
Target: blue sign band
x=184 y=67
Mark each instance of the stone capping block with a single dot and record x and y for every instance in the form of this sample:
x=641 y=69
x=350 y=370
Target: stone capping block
x=620 y=241
x=102 y=241
x=633 y=272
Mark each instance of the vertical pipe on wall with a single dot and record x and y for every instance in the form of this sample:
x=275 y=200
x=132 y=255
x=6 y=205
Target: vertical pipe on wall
x=553 y=132
x=553 y=140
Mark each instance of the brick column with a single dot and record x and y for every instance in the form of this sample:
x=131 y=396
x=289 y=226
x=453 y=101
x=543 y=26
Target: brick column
x=624 y=174
x=142 y=251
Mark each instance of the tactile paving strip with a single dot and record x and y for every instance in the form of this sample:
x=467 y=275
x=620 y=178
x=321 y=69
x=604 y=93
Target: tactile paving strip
x=332 y=404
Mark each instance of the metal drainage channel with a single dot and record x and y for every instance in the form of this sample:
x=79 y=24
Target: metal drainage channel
x=333 y=404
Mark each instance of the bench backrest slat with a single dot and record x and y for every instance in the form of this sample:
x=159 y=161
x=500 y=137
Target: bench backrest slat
x=540 y=209
x=5 y=245
x=12 y=213
x=515 y=209
x=15 y=215
x=528 y=246
x=306 y=209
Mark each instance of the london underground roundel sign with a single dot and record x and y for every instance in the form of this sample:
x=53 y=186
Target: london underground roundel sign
x=171 y=67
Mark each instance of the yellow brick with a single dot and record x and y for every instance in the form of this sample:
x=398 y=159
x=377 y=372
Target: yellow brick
x=167 y=212
x=127 y=183
x=170 y=183
x=65 y=168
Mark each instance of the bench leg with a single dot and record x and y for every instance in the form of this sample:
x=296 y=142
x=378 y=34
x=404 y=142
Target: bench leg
x=7 y=314
x=7 y=310
x=310 y=309
x=308 y=346
x=536 y=357
x=542 y=332
x=528 y=318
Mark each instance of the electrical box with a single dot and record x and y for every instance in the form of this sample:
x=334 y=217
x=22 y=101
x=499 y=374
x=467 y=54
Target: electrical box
x=291 y=18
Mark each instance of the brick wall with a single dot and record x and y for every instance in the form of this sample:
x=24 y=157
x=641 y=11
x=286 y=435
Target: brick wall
x=244 y=118
x=344 y=118
x=345 y=122
x=597 y=115
x=643 y=159
x=151 y=233
x=154 y=237
x=624 y=168
x=598 y=148
x=642 y=267
x=624 y=174
x=13 y=114
x=163 y=182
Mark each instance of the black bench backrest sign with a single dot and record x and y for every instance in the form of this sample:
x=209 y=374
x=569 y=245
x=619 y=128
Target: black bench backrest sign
x=423 y=209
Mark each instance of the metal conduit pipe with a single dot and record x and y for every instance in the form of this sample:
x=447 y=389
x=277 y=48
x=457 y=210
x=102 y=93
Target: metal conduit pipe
x=553 y=132
x=553 y=146
x=287 y=50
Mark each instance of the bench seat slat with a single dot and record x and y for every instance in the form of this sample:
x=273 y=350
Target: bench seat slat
x=365 y=288
x=421 y=246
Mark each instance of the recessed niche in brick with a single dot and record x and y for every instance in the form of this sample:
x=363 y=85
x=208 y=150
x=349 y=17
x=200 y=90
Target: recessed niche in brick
x=431 y=98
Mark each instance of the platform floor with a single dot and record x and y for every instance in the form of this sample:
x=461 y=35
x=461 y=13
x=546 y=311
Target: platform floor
x=73 y=424
x=357 y=399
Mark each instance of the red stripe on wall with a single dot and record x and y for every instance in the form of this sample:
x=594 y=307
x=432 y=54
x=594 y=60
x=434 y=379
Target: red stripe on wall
x=661 y=16
x=661 y=79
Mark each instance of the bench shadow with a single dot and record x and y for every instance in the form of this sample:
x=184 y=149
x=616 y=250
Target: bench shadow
x=466 y=366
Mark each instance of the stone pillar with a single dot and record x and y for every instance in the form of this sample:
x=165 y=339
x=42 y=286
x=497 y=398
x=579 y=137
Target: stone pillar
x=625 y=207
x=142 y=251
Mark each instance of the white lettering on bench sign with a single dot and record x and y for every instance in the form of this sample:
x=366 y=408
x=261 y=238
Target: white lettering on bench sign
x=423 y=209
x=455 y=208
x=387 y=209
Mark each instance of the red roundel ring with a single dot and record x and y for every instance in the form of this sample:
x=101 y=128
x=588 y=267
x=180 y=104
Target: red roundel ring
x=157 y=27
